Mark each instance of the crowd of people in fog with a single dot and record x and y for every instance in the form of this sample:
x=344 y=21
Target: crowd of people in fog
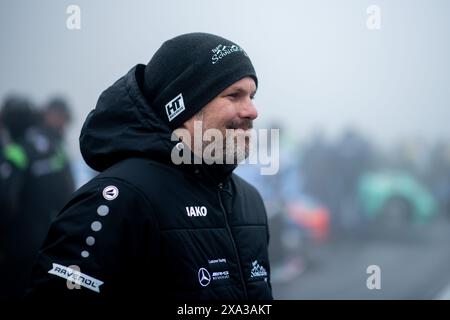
x=35 y=182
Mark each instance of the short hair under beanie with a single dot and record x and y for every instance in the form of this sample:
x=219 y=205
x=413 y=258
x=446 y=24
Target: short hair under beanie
x=189 y=71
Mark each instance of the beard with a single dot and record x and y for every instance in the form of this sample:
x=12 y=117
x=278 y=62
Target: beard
x=234 y=145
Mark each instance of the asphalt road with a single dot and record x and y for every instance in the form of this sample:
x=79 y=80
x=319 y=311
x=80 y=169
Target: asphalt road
x=414 y=264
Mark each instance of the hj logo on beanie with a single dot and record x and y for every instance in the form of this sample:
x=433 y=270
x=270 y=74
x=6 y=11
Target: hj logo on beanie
x=174 y=107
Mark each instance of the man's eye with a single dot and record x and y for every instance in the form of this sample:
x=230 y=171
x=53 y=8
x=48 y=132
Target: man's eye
x=233 y=95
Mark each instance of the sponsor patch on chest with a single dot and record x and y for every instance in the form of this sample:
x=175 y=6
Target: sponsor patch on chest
x=196 y=211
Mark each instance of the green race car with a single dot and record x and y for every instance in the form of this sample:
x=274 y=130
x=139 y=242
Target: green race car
x=395 y=196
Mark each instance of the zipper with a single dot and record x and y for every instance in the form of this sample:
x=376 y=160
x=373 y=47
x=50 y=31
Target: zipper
x=241 y=276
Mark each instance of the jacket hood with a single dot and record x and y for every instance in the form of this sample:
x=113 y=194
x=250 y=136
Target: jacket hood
x=123 y=125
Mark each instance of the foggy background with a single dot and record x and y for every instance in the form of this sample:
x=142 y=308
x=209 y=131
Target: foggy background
x=365 y=142
x=318 y=63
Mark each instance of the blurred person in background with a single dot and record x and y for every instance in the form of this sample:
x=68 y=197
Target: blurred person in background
x=18 y=116
x=55 y=118
x=35 y=187
x=352 y=159
x=332 y=172
x=318 y=168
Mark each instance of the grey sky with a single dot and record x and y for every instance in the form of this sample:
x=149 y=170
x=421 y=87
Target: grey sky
x=318 y=63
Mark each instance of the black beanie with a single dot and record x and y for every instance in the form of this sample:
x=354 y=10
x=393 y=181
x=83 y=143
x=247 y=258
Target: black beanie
x=189 y=71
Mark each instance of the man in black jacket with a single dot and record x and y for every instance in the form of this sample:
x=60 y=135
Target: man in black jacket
x=147 y=226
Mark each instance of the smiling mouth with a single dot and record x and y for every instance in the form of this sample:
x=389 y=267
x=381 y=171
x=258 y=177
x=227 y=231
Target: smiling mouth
x=246 y=125
x=238 y=128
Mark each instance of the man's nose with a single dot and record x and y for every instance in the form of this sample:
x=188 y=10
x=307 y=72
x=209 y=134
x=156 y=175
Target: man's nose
x=248 y=110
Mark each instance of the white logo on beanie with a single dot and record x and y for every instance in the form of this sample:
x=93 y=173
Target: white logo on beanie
x=174 y=107
x=221 y=51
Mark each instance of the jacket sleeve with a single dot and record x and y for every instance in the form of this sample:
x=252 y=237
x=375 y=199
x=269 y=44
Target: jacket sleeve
x=95 y=245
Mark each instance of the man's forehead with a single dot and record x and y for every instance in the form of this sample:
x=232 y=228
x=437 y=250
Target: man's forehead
x=245 y=84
